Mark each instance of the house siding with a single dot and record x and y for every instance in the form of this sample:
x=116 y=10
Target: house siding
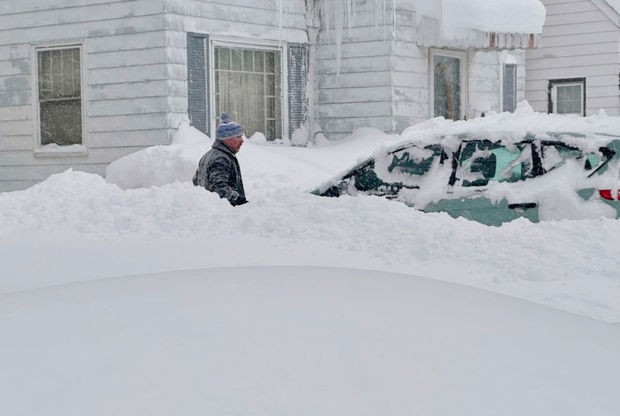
x=125 y=76
x=579 y=40
x=354 y=79
x=410 y=74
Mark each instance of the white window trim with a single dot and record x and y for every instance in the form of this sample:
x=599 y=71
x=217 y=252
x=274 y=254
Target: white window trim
x=249 y=43
x=464 y=57
x=554 y=96
x=52 y=150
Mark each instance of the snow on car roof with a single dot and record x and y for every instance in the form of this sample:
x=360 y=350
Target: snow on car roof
x=587 y=132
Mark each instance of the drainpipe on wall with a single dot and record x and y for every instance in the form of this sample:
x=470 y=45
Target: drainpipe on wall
x=312 y=27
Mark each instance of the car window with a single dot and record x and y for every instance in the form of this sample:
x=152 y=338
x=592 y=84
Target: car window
x=366 y=179
x=414 y=160
x=597 y=162
x=555 y=155
x=482 y=161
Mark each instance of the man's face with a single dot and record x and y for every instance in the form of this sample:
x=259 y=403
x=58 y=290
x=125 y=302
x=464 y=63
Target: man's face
x=234 y=143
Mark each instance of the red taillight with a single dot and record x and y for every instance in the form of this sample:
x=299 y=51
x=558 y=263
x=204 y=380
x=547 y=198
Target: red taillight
x=608 y=194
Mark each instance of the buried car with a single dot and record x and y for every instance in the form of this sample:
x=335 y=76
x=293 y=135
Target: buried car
x=492 y=181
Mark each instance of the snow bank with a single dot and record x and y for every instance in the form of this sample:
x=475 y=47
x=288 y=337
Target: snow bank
x=147 y=217
x=281 y=341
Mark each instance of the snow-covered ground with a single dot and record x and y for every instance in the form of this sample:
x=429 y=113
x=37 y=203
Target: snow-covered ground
x=280 y=341
x=290 y=304
x=147 y=217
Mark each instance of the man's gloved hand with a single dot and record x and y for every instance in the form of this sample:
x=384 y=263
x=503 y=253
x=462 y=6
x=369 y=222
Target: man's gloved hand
x=235 y=199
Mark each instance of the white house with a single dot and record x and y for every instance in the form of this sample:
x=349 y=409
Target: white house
x=84 y=82
x=577 y=69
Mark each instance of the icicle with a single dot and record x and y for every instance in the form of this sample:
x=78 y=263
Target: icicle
x=339 y=15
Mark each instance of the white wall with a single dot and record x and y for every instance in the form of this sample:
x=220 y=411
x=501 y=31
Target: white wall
x=579 y=40
x=353 y=77
x=125 y=92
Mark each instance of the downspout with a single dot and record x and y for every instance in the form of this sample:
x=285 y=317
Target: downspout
x=313 y=27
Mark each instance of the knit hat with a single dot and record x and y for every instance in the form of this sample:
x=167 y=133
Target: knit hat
x=227 y=128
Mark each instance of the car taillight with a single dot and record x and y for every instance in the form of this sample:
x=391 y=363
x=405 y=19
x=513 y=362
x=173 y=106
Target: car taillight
x=609 y=194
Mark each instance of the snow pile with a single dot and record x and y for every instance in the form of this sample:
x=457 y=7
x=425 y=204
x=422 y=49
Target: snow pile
x=77 y=226
x=598 y=128
x=281 y=341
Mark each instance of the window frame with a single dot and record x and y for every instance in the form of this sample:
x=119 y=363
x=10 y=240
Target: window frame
x=463 y=56
x=552 y=93
x=50 y=149
x=255 y=44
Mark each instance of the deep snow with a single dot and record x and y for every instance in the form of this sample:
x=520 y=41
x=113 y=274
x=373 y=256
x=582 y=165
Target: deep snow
x=147 y=217
x=234 y=322
x=298 y=341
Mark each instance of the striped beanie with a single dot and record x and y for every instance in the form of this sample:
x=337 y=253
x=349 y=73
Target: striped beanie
x=227 y=128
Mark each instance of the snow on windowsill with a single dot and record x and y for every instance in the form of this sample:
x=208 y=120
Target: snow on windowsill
x=54 y=150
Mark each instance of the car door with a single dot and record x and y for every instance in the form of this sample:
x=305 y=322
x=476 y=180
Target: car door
x=475 y=165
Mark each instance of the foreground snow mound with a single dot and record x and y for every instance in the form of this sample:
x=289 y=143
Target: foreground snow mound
x=298 y=341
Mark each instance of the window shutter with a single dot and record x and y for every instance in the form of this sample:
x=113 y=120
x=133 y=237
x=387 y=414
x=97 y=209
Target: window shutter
x=297 y=78
x=510 y=87
x=198 y=81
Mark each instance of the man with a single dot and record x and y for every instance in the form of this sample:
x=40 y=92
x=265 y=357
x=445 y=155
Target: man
x=218 y=170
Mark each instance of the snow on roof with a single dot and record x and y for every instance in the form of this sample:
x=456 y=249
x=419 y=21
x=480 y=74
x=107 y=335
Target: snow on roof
x=480 y=23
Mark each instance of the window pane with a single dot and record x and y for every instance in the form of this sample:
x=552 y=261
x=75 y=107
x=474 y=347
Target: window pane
x=235 y=60
x=270 y=134
x=259 y=61
x=569 y=99
x=270 y=84
x=248 y=61
x=270 y=107
x=61 y=122
x=60 y=101
x=223 y=58
x=270 y=62
x=510 y=87
x=447 y=87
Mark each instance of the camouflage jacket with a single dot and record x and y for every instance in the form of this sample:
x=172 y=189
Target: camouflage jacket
x=218 y=171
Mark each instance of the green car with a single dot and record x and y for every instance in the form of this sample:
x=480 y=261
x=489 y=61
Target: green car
x=493 y=181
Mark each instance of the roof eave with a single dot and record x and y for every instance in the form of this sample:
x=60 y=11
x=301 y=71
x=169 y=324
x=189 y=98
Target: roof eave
x=484 y=40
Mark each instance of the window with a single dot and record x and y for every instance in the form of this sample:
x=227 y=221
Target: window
x=448 y=69
x=567 y=96
x=510 y=88
x=248 y=86
x=247 y=82
x=60 y=95
x=482 y=161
